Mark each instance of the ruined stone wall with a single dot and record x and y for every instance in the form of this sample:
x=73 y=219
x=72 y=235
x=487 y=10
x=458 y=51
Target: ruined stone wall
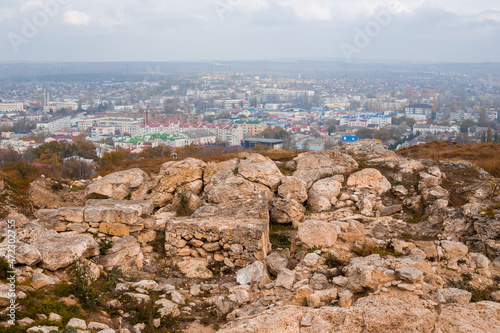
x=236 y=242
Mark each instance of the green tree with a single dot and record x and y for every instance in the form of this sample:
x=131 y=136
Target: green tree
x=464 y=127
x=305 y=145
x=410 y=122
x=332 y=128
x=382 y=134
x=79 y=109
x=253 y=102
x=483 y=136
x=489 y=134
x=365 y=133
x=483 y=120
x=497 y=139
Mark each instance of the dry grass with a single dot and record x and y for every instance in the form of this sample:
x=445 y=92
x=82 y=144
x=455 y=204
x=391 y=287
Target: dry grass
x=153 y=165
x=485 y=155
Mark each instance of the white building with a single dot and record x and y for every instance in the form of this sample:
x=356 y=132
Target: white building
x=54 y=125
x=11 y=107
x=103 y=131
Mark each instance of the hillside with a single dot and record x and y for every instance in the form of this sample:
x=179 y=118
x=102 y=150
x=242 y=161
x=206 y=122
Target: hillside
x=351 y=239
x=485 y=155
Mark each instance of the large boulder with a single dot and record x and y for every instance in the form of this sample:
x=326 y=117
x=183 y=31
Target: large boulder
x=315 y=165
x=323 y=194
x=293 y=188
x=259 y=169
x=235 y=188
x=62 y=250
x=285 y=211
x=216 y=173
x=116 y=185
x=370 y=179
x=317 y=234
x=172 y=175
x=125 y=253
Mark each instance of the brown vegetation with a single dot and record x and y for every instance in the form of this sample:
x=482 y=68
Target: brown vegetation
x=212 y=154
x=485 y=155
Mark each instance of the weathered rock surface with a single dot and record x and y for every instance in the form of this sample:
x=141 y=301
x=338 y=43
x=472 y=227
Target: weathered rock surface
x=312 y=166
x=120 y=182
x=172 y=175
x=323 y=194
x=285 y=211
x=293 y=188
x=370 y=179
x=260 y=169
x=125 y=253
x=317 y=234
x=64 y=249
x=45 y=193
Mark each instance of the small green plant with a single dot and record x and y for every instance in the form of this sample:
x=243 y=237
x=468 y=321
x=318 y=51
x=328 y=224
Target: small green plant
x=183 y=209
x=314 y=249
x=57 y=187
x=334 y=262
x=366 y=249
x=104 y=245
x=478 y=294
x=63 y=289
x=461 y=261
x=280 y=240
x=490 y=211
x=4 y=269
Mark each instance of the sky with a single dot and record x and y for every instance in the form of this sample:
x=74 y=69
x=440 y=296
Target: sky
x=209 y=30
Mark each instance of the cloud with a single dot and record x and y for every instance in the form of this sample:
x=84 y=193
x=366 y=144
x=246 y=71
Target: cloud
x=311 y=10
x=75 y=17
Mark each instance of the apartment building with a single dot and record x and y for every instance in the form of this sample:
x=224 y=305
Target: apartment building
x=54 y=125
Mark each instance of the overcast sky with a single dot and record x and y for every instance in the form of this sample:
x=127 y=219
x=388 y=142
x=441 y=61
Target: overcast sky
x=186 y=30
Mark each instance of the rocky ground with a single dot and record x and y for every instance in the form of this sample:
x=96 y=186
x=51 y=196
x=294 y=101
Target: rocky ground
x=353 y=239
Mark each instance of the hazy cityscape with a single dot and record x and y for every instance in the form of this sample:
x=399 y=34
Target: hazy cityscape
x=225 y=108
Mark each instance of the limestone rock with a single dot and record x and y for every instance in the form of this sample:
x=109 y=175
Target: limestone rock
x=254 y=273
x=44 y=193
x=125 y=253
x=454 y=295
x=285 y=211
x=315 y=165
x=454 y=250
x=275 y=262
x=327 y=188
x=370 y=179
x=107 y=185
x=27 y=254
x=293 y=188
x=195 y=268
x=410 y=274
x=62 y=250
x=77 y=323
x=317 y=233
x=285 y=279
x=260 y=169
x=172 y=175
x=234 y=188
